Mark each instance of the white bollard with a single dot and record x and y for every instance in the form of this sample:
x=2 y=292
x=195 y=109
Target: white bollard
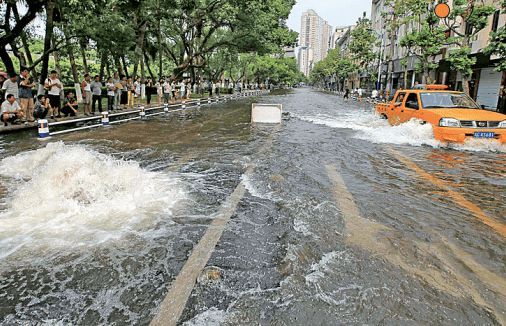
x=208 y=100
x=142 y=113
x=43 y=127
x=166 y=108
x=183 y=104
x=198 y=103
x=105 y=118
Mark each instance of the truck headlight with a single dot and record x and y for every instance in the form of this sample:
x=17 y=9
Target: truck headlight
x=502 y=124
x=449 y=122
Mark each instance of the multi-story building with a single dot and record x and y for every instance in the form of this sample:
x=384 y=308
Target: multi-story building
x=485 y=85
x=337 y=34
x=314 y=40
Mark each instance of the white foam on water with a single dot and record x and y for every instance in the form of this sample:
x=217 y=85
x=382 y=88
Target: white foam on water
x=63 y=196
x=257 y=188
x=210 y=317
x=371 y=127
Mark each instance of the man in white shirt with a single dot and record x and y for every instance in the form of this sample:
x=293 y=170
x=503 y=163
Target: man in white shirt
x=54 y=87
x=10 y=86
x=167 y=91
x=11 y=111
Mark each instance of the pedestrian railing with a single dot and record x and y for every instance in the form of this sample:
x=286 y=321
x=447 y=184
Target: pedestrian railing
x=140 y=113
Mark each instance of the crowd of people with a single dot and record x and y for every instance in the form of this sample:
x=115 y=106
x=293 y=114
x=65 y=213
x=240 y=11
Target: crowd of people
x=18 y=104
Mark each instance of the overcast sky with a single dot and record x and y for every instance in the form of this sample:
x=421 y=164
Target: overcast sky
x=336 y=12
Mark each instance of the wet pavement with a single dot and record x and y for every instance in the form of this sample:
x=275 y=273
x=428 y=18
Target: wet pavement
x=344 y=220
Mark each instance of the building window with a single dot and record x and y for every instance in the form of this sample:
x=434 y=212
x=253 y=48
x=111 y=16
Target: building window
x=469 y=29
x=495 y=20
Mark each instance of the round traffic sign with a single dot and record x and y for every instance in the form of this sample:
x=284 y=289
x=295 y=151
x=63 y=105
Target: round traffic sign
x=442 y=10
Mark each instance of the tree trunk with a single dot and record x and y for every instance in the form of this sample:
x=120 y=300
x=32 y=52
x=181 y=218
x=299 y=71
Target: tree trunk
x=119 y=67
x=159 y=37
x=146 y=59
x=7 y=61
x=83 y=55
x=125 y=66
x=103 y=60
x=406 y=78
x=47 y=44
x=72 y=60
x=24 y=41
x=56 y=56
x=108 y=67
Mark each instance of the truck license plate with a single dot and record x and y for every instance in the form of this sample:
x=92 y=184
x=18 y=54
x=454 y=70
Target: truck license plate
x=484 y=135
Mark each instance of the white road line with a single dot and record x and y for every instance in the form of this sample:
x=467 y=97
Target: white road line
x=172 y=306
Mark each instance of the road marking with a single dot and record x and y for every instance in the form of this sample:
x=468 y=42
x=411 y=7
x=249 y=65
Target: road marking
x=378 y=239
x=172 y=306
x=174 y=303
x=498 y=226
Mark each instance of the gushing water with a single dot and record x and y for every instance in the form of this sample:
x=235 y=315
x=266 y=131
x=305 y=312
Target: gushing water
x=70 y=196
x=371 y=127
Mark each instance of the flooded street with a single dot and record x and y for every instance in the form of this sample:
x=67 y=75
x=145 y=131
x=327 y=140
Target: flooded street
x=343 y=220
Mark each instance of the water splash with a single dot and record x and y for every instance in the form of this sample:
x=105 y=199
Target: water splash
x=371 y=127
x=70 y=196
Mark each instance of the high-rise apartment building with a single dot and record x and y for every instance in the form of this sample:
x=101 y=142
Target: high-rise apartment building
x=314 y=40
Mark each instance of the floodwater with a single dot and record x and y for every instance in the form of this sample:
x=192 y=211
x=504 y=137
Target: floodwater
x=345 y=220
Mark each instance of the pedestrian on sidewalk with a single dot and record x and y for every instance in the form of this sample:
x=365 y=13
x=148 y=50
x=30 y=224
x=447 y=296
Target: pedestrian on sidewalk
x=10 y=86
x=41 y=108
x=167 y=91
x=137 y=90
x=124 y=93
x=70 y=106
x=159 y=91
x=131 y=92
x=182 y=90
x=96 y=89
x=25 y=94
x=87 y=95
x=54 y=87
x=149 y=90
x=217 y=86
x=110 y=94
x=346 y=95
x=10 y=110
x=117 y=91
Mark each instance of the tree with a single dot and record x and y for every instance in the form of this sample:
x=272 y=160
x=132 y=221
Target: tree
x=9 y=34
x=363 y=40
x=425 y=41
x=497 y=44
x=467 y=18
x=334 y=65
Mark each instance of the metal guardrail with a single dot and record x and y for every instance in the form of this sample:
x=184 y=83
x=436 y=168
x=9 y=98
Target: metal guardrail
x=44 y=125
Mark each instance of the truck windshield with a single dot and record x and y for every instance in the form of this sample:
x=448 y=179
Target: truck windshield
x=442 y=100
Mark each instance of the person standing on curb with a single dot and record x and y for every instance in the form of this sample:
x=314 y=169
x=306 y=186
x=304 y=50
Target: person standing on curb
x=159 y=91
x=54 y=87
x=25 y=95
x=117 y=92
x=86 y=88
x=96 y=89
x=110 y=94
x=10 y=86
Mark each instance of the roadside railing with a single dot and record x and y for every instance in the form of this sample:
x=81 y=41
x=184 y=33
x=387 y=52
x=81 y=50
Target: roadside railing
x=141 y=113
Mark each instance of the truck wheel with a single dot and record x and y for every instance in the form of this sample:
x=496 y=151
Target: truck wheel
x=384 y=117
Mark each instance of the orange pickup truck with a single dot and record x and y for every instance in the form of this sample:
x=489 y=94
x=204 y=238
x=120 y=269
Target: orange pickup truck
x=454 y=116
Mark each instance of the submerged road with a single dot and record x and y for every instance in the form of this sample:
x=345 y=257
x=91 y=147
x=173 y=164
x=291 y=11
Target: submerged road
x=200 y=218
